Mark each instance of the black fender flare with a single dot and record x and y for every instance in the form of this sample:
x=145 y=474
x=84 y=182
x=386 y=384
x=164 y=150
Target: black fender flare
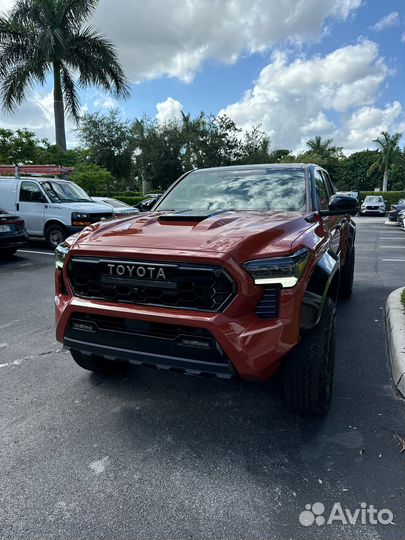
x=324 y=282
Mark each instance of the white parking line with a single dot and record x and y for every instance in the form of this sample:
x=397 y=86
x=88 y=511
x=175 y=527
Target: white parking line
x=392 y=247
x=393 y=260
x=36 y=252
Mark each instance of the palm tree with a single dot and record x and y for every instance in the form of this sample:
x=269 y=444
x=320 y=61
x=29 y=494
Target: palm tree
x=387 y=152
x=40 y=37
x=324 y=148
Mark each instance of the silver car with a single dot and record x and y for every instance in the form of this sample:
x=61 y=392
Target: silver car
x=373 y=204
x=401 y=219
x=120 y=208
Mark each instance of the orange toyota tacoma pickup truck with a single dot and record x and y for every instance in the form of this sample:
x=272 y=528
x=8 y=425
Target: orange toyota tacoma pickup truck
x=235 y=272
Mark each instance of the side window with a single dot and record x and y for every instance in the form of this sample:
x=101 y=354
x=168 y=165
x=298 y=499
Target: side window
x=329 y=186
x=31 y=192
x=323 y=196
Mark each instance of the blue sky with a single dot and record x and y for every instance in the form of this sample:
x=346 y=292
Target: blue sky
x=328 y=67
x=217 y=84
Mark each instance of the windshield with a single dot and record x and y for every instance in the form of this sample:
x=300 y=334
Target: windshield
x=65 y=192
x=374 y=199
x=231 y=189
x=116 y=204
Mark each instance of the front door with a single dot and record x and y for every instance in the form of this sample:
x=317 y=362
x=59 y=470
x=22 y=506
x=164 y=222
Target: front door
x=31 y=206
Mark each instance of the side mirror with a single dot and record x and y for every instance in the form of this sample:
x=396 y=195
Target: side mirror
x=146 y=205
x=385 y=200
x=340 y=205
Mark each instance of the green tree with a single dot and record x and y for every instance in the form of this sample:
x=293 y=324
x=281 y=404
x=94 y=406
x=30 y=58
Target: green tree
x=16 y=147
x=39 y=37
x=110 y=142
x=351 y=172
x=255 y=147
x=324 y=149
x=388 y=153
x=92 y=178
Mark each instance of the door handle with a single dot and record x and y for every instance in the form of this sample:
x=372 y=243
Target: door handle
x=17 y=206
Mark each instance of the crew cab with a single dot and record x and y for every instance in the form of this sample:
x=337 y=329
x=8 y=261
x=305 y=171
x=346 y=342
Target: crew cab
x=235 y=272
x=50 y=207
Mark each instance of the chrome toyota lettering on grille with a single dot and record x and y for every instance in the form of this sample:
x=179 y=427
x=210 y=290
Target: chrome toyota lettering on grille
x=131 y=270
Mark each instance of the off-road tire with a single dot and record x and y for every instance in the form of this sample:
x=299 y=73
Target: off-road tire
x=99 y=365
x=347 y=276
x=308 y=370
x=55 y=235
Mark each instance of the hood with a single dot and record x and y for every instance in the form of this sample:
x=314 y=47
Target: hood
x=88 y=207
x=243 y=235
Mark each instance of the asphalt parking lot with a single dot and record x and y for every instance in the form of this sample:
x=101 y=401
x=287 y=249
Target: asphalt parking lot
x=159 y=455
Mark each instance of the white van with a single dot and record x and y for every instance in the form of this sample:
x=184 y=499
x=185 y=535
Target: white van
x=51 y=208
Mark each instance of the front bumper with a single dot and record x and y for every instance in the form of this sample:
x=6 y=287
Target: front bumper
x=241 y=343
x=375 y=211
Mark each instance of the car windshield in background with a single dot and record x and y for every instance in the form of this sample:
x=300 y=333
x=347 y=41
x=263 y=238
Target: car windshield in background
x=115 y=203
x=256 y=189
x=65 y=192
x=374 y=199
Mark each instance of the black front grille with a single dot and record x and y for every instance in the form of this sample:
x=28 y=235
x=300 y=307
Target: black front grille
x=94 y=218
x=268 y=306
x=178 y=347
x=183 y=286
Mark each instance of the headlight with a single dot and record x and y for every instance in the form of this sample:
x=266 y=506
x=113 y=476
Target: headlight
x=80 y=219
x=60 y=255
x=283 y=270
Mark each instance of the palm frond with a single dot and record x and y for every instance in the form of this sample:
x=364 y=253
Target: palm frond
x=16 y=83
x=96 y=59
x=72 y=103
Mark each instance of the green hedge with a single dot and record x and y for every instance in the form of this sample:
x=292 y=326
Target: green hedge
x=391 y=197
x=118 y=194
x=129 y=200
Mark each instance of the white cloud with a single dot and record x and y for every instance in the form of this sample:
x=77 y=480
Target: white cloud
x=175 y=37
x=391 y=19
x=169 y=110
x=36 y=114
x=366 y=123
x=296 y=100
x=5 y=5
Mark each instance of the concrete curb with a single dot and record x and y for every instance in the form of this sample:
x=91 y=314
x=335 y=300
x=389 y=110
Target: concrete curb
x=395 y=318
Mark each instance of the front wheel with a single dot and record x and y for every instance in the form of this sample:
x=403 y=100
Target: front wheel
x=98 y=364
x=55 y=235
x=308 y=370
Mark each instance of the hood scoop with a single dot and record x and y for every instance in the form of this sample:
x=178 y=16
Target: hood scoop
x=189 y=215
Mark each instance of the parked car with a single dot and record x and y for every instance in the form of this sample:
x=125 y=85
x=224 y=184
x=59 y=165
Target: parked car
x=147 y=204
x=395 y=209
x=401 y=219
x=119 y=208
x=51 y=208
x=12 y=234
x=236 y=273
x=373 y=204
x=354 y=194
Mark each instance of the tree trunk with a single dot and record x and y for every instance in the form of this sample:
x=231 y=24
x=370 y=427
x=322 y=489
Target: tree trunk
x=385 y=180
x=58 y=108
